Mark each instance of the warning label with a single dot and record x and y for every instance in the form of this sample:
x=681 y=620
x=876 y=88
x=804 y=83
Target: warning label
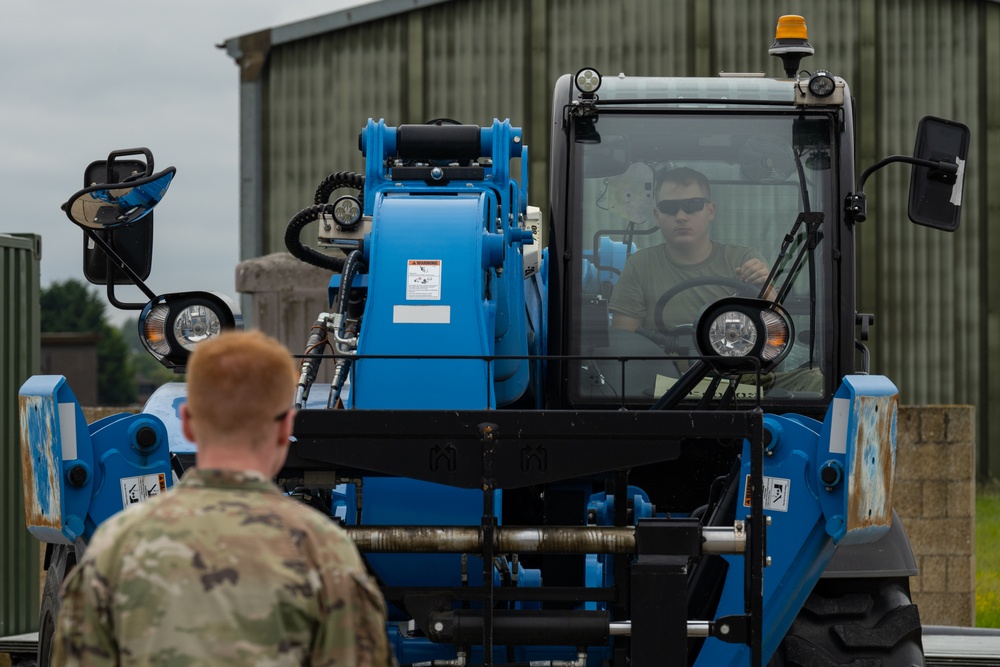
x=140 y=489
x=775 y=493
x=423 y=280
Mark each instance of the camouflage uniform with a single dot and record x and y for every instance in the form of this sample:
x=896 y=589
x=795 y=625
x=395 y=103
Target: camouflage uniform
x=222 y=570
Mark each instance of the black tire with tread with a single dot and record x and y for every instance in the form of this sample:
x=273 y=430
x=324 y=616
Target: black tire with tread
x=858 y=622
x=62 y=561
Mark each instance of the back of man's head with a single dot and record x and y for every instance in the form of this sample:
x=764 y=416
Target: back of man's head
x=239 y=383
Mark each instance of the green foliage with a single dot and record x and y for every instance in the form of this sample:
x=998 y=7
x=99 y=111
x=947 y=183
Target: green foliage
x=71 y=306
x=988 y=556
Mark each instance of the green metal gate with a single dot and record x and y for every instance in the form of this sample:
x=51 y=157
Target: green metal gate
x=19 y=359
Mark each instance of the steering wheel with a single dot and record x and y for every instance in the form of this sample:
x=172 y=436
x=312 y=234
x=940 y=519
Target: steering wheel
x=742 y=288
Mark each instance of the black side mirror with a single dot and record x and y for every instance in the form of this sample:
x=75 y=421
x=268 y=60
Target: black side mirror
x=118 y=193
x=936 y=192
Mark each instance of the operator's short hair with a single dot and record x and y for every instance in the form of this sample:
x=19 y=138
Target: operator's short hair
x=239 y=382
x=681 y=176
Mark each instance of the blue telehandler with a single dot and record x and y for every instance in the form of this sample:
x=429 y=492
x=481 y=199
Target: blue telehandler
x=529 y=483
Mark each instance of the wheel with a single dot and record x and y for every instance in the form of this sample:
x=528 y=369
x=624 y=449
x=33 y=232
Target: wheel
x=741 y=287
x=62 y=561
x=859 y=622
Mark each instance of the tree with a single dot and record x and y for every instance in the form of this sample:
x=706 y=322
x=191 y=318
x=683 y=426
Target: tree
x=71 y=307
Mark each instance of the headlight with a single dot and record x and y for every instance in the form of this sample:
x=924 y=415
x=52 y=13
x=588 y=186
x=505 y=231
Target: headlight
x=821 y=84
x=347 y=212
x=171 y=326
x=587 y=80
x=732 y=334
x=740 y=327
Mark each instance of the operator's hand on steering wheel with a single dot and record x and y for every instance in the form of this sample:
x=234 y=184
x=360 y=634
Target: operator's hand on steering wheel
x=754 y=272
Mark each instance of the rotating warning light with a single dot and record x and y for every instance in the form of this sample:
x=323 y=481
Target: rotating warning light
x=791 y=43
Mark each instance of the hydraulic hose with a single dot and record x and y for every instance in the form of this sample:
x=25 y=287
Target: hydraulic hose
x=301 y=251
x=353 y=264
x=340 y=179
x=311 y=359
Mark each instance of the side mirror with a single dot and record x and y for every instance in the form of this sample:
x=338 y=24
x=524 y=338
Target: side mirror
x=118 y=193
x=936 y=192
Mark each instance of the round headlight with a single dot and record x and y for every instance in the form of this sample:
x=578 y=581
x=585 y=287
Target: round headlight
x=347 y=212
x=732 y=334
x=741 y=327
x=172 y=325
x=821 y=84
x=587 y=80
x=196 y=324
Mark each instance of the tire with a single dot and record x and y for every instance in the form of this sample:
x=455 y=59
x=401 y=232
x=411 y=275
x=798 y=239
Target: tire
x=62 y=561
x=859 y=622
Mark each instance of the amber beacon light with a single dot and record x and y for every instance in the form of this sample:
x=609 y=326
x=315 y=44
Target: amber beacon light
x=791 y=43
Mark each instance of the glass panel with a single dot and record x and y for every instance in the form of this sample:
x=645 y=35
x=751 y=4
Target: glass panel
x=732 y=187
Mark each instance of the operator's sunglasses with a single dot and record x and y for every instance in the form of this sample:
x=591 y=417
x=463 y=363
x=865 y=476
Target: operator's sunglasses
x=674 y=206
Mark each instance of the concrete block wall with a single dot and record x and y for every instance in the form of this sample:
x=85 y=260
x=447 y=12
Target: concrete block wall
x=935 y=495
x=286 y=295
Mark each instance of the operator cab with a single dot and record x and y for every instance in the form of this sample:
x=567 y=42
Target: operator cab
x=765 y=168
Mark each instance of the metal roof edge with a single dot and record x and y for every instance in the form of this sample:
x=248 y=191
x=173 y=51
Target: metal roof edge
x=355 y=14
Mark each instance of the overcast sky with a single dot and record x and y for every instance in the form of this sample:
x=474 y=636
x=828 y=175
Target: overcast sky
x=80 y=79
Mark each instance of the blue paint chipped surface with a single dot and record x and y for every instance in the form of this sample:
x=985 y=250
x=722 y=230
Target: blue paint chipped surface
x=873 y=436
x=40 y=465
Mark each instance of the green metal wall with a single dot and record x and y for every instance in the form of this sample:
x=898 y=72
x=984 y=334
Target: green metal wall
x=934 y=294
x=19 y=359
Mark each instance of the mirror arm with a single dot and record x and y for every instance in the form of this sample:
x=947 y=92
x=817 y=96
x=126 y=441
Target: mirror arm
x=857 y=208
x=947 y=168
x=116 y=260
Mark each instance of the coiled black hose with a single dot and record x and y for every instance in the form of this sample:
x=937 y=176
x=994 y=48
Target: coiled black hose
x=340 y=179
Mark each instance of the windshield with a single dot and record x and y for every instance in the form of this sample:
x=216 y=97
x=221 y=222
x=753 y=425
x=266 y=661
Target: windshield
x=673 y=212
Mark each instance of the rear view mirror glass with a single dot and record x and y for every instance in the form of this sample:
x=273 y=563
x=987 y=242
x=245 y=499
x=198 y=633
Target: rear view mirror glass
x=113 y=205
x=936 y=194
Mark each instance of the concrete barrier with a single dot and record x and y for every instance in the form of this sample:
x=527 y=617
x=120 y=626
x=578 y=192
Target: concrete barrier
x=935 y=495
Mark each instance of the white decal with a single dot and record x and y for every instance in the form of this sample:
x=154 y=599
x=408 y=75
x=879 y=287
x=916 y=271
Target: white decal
x=142 y=488
x=775 y=493
x=423 y=280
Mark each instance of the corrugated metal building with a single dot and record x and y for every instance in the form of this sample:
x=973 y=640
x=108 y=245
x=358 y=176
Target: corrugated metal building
x=19 y=359
x=307 y=89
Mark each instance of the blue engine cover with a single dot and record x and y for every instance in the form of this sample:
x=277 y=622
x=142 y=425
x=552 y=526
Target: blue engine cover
x=427 y=297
